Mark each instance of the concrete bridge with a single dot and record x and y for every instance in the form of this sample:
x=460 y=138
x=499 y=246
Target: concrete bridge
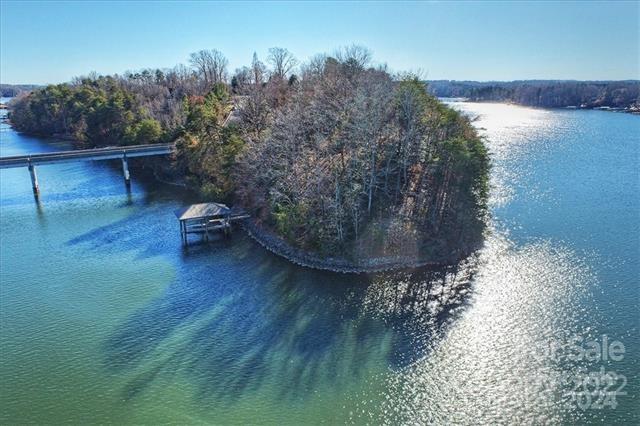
x=97 y=154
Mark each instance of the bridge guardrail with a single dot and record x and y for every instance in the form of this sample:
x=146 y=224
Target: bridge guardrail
x=86 y=155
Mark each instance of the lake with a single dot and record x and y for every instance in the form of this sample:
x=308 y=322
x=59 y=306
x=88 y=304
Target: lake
x=105 y=318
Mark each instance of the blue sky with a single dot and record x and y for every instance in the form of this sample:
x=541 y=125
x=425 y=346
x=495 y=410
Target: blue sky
x=50 y=42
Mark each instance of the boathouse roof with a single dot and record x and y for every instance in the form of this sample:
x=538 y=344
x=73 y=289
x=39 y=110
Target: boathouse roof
x=202 y=210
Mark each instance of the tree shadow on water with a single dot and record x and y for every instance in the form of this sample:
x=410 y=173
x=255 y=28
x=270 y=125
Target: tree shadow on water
x=239 y=320
x=149 y=231
x=277 y=323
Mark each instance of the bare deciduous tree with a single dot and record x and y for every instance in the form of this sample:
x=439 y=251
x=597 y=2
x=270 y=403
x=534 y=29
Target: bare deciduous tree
x=282 y=62
x=211 y=65
x=354 y=55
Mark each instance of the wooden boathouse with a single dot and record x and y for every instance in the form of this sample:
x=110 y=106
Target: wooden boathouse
x=206 y=219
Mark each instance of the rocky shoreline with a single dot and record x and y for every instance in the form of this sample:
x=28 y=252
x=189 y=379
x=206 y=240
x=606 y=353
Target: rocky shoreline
x=279 y=247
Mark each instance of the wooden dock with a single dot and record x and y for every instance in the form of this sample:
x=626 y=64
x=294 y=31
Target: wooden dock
x=205 y=219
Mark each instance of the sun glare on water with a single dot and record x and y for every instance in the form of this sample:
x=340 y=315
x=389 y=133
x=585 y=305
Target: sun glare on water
x=487 y=361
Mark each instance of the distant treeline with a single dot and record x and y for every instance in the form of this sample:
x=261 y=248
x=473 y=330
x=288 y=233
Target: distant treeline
x=545 y=93
x=11 y=90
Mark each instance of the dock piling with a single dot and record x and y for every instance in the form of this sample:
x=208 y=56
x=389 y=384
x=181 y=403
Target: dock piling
x=183 y=234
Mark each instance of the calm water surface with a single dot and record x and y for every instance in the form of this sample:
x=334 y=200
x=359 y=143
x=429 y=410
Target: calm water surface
x=105 y=319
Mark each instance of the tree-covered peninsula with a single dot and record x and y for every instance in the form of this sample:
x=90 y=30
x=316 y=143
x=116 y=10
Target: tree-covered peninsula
x=340 y=163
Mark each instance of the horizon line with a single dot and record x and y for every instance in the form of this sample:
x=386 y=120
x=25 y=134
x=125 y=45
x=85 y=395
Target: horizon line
x=559 y=80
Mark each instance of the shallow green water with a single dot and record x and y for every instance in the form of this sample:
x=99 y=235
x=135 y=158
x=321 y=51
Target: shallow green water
x=105 y=319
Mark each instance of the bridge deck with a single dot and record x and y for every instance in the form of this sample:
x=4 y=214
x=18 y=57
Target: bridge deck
x=86 y=155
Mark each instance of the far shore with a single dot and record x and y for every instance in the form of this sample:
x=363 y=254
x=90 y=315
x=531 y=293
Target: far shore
x=628 y=110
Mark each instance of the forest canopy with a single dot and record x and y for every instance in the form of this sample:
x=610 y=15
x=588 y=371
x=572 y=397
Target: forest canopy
x=336 y=156
x=364 y=165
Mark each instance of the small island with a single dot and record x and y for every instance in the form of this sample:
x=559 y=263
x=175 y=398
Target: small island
x=342 y=165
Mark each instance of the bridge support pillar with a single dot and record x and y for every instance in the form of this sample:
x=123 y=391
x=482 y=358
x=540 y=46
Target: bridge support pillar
x=125 y=170
x=34 y=179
